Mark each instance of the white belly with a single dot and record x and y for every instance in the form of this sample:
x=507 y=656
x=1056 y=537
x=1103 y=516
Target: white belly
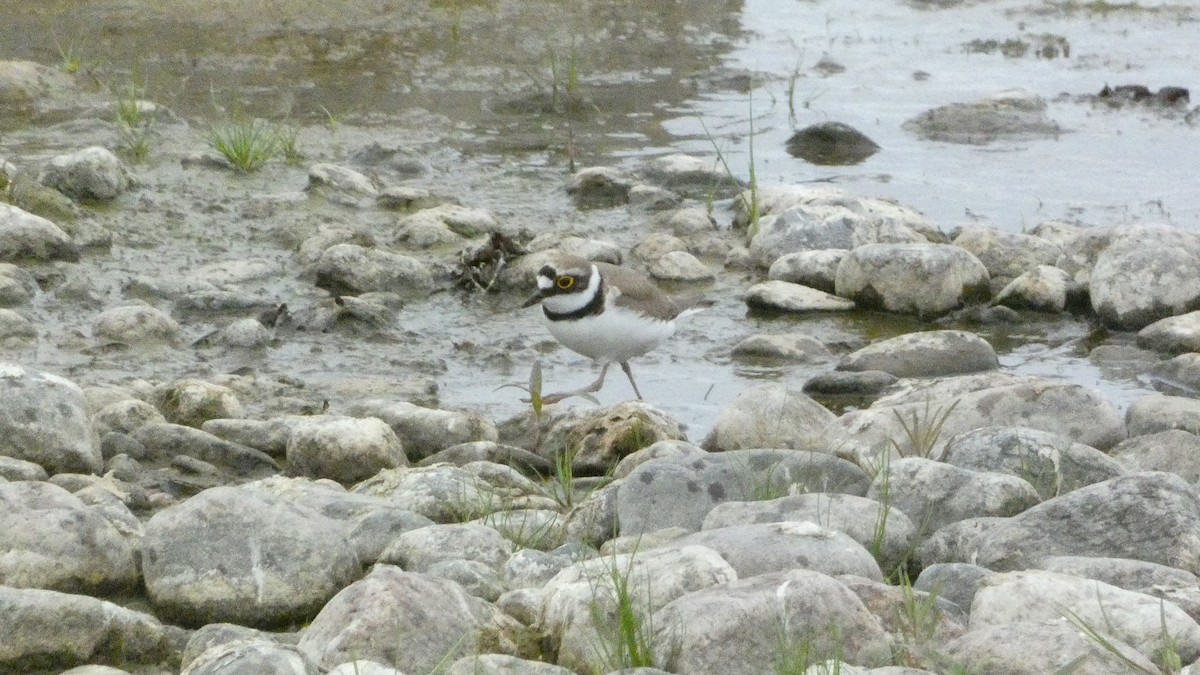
x=614 y=336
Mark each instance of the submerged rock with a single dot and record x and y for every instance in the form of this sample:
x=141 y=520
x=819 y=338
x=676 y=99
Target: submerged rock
x=924 y=354
x=831 y=144
x=1010 y=115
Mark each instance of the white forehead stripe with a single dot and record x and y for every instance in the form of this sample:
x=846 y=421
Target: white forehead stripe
x=544 y=282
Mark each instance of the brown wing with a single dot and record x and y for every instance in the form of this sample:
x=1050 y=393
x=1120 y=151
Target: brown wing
x=637 y=289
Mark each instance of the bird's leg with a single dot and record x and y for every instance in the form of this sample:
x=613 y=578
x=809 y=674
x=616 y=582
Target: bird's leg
x=591 y=388
x=629 y=374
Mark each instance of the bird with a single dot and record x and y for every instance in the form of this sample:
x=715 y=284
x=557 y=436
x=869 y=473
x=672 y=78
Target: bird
x=607 y=313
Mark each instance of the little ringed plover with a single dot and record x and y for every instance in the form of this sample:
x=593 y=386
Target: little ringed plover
x=604 y=312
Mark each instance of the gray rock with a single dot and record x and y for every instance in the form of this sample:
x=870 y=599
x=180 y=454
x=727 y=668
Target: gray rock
x=654 y=245
x=490 y=451
x=1174 y=450
x=1006 y=255
x=1132 y=575
x=1179 y=375
x=815 y=269
x=1057 y=231
x=652 y=198
x=345 y=449
x=599 y=437
x=587 y=589
x=215 y=634
x=831 y=144
x=887 y=533
x=928 y=280
x=419 y=549
x=165 y=440
x=25 y=84
x=1136 y=619
x=956 y=542
x=1051 y=463
x=125 y=415
x=1081 y=252
x=1142 y=516
x=270 y=436
x=135 y=324
x=924 y=354
x=691 y=222
x=593 y=520
x=770 y=416
x=1173 y=335
x=1146 y=274
x=349 y=269
x=42 y=627
x=193 y=402
x=406 y=620
x=502 y=664
x=15 y=328
x=680 y=266
x=25 y=237
x=425 y=431
x=1009 y=115
x=44 y=419
x=729 y=629
x=369 y=522
x=1043 y=289
x=866 y=383
x=530 y=568
x=794 y=347
x=442 y=493
x=956 y=582
x=444 y=224
x=52 y=540
x=788 y=297
x=475 y=577
x=687 y=175
x=15 y=469
x=243 y=556
x=1079 y=413
x=933 y=494
x=600 y=187
x=90 y=173
x=1040 y=647
x=681 y=491
x=540 y=528
x=803 y=218
x=17 y=285
x=251 y=657
x=1156 y=412
x=363 y=667
x=340 y=179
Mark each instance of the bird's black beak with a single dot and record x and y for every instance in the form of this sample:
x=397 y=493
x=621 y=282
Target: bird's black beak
x=534 y=299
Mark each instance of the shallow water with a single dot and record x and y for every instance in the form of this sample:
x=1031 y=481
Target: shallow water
x=483 y=93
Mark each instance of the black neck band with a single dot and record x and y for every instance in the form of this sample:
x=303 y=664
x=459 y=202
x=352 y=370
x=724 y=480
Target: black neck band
x=593 y=307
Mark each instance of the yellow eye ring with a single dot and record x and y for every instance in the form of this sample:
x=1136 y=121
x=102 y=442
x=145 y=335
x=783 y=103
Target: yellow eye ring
x=565 y=283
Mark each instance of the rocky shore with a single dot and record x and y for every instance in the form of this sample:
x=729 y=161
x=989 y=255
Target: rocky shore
x=915 y=508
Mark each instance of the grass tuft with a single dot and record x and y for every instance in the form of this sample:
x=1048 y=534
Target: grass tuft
x=247 y=143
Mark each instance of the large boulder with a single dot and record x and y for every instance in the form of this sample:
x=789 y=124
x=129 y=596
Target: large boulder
x=41 y=629
x=25 y=237
x=244 y=556
x=410 y=621
x=50 y=539
x=770 y=416
x=928 y=280
x=731 y=628
x=44 y=419
x=796 y=219
x=1146 y=274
